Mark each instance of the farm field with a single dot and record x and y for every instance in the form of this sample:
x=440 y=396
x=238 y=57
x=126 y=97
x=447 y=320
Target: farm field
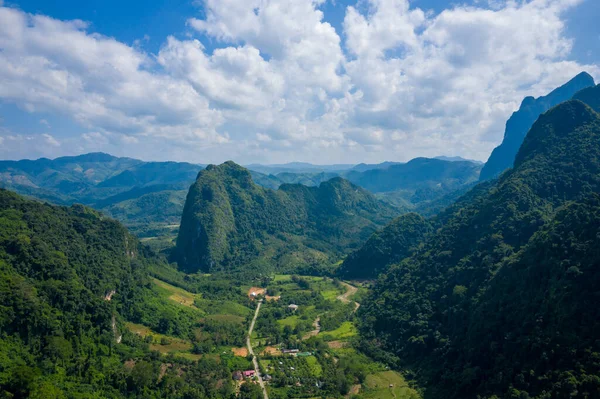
x=303 y=337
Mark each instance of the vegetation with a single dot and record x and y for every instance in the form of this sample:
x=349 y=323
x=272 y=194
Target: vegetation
x=422 y=178
x=500 y=300
x=229 y=222
x=68 y=280
x=390 y=245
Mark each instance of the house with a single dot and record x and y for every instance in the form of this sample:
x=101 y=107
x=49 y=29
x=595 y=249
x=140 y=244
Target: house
x=293 y=307
x=249 y=373
x=237 y=375
x=290 y=351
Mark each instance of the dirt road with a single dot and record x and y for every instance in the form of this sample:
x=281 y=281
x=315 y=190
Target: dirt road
x=254 y=360
x=345 y=297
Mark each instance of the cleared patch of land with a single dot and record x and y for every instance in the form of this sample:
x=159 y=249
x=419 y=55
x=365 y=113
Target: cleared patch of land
x=387 y=385
x=177 y=294
x=345 y=331
x=162 y=343
x=242 y=352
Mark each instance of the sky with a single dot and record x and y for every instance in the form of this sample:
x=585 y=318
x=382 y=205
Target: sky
x=274 y=81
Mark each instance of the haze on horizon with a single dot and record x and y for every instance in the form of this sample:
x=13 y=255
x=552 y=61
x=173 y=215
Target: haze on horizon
x=275 y=81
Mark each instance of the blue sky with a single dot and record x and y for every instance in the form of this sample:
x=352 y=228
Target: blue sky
x=270 y=81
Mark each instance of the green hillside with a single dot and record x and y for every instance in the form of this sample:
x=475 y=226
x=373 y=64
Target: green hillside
x=499 y=301
x=69 y=278
x=228 y=221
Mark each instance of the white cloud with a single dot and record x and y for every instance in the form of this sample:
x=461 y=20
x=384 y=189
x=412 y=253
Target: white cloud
x=281 y=85
x=55 y=66
x=452 y=80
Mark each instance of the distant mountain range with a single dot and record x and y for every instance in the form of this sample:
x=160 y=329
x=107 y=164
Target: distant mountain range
x=148 y=197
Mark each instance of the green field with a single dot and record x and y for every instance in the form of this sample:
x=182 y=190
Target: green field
x=345 y=331
x=387 y=385
x=314 y=366
x=174 y=345
x=291 y=321
x=177 y=294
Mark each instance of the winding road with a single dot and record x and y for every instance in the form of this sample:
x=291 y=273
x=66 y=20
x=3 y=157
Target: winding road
x=254 y=360
x=345 y=297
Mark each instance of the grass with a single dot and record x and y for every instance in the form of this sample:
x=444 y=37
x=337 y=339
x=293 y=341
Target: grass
x=345 y=331
x=291 y=321
x=177 y=294
x=314 y=366
x=175 y=345
x=222 y=308
x=377 y=386
x=330 y=294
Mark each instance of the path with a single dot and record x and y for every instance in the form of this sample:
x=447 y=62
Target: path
x=254 y=360
x=345 y=297
x=317 y=325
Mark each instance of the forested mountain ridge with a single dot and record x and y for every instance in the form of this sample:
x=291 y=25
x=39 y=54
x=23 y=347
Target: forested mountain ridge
x=501 y=300
x=589 y=96
x=419 y=173
x=229 y=221
x=140 y=194
x=69 y=278
x=520 y=122
x=390 y=245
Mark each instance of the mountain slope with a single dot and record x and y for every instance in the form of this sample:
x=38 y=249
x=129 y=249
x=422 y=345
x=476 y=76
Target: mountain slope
x=69 y=278
x=390 y=245
x=589 y=96
x=123 y=188
x=479 y=307
x=228 y=221
x=521 y=121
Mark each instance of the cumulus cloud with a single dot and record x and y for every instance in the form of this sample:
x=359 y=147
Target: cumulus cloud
x=280 y=84
x=56 y=66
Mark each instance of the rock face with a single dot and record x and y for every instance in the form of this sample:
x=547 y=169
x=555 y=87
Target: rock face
x=521 y=121
x=228 y=222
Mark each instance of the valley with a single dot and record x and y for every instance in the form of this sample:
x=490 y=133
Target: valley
x=410 y=280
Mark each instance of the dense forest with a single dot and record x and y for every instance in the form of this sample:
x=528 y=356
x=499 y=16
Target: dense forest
x=69 y=279
x=501 y=300
x=228 y=222
x=385 y=247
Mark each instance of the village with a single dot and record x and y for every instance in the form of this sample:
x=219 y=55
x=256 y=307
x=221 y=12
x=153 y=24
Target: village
x=284 y=337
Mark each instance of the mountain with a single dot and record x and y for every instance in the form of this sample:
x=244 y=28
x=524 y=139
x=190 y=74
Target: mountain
x=456 y=159
x=363 y=167
x=297 y=167
x=390 y=245
x=229 y=221
x=521 y=121
x=589 y=96
x=69 y=280
x=502 y=299
x=143 y=195
x=415 y=174
x=306 y=179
